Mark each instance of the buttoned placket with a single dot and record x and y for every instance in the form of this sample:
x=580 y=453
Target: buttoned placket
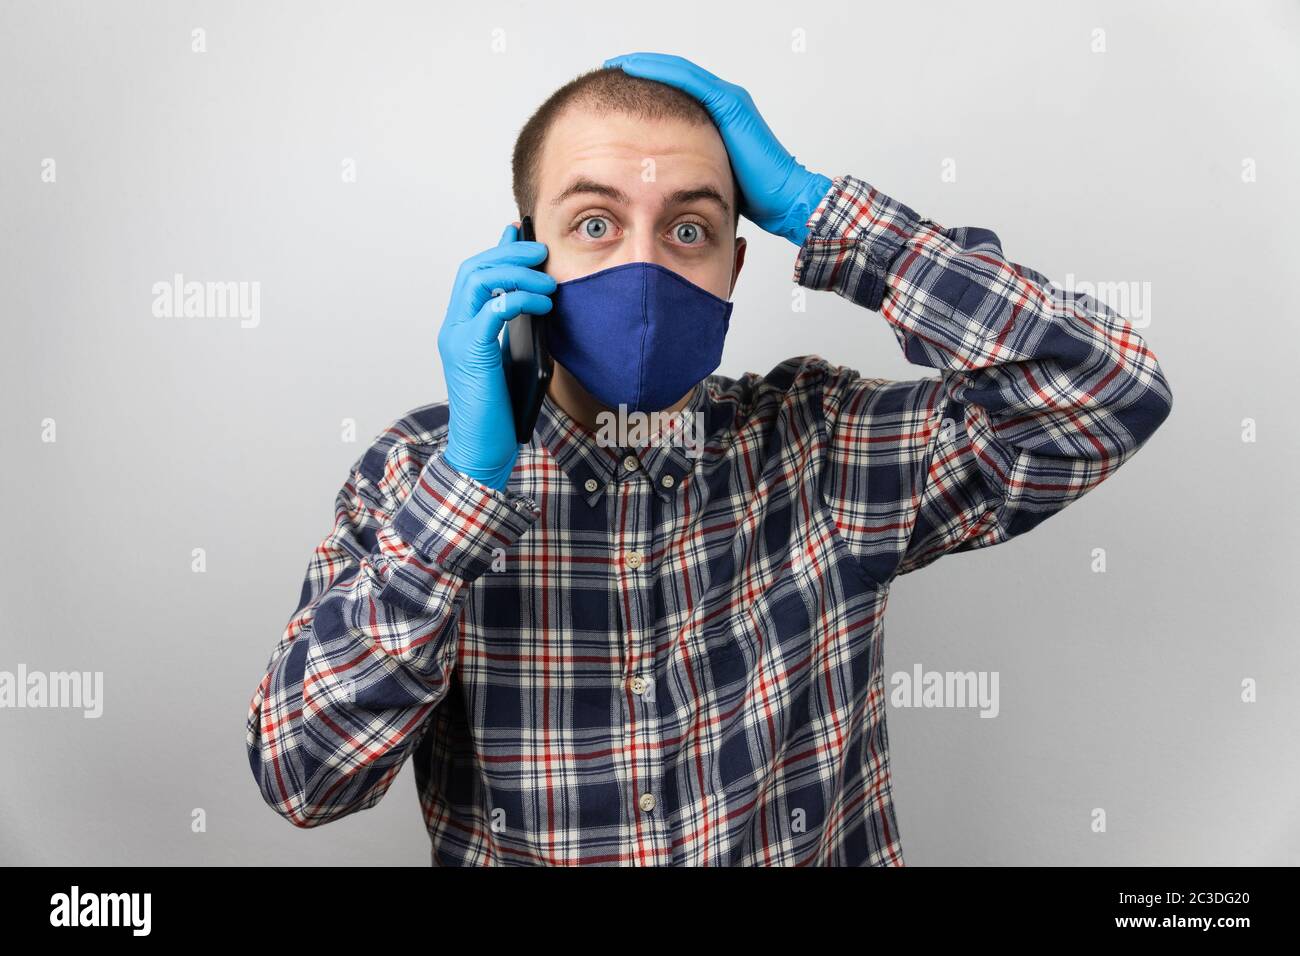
x=632 y=513
x=634 y=489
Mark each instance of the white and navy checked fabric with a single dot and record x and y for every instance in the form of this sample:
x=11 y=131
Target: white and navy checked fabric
x=638 y=656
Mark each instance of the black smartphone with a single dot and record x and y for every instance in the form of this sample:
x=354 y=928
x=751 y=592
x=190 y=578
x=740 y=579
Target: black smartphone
x=527 y=361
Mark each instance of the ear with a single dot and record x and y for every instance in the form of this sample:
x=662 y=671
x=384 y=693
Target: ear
x=738 y=264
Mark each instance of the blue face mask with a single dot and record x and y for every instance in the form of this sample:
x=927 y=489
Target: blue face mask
x=637 y=334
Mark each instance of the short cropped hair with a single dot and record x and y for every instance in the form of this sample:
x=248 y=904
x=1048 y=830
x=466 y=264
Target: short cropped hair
x=603 y=90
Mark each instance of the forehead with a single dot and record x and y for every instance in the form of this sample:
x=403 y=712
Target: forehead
x=616 y=146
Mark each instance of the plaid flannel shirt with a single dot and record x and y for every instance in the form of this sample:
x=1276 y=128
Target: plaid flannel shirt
x=645 y=656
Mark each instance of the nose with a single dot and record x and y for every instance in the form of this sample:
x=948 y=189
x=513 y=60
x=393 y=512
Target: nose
x=644 y=245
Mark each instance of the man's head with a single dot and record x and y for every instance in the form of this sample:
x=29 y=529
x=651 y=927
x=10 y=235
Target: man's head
x=615 y=168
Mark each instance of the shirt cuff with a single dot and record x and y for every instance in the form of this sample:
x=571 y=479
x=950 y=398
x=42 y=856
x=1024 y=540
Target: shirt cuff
x=458 y=523
x=854 y=235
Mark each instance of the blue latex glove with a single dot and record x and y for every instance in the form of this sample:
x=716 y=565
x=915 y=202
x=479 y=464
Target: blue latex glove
x=481 y=439
x=779 y=193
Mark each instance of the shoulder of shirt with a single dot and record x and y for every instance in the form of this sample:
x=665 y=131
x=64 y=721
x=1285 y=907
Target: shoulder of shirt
x=797 y=378
x=814 y=378
x=753 y=394
x=752 y=399
x=797 y=372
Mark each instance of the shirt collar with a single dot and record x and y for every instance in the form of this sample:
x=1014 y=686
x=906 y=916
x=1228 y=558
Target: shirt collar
x=665 y=461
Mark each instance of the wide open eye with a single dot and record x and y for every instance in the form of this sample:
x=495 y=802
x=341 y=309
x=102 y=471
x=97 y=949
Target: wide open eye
x=691 y=233
x=594 y=227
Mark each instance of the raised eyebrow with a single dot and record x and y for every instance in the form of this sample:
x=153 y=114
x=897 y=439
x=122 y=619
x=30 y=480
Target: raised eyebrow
x=584 y=185
x=683 y=196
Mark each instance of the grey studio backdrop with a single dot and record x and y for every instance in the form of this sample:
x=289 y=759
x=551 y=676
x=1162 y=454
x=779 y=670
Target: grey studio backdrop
x=1152 y=146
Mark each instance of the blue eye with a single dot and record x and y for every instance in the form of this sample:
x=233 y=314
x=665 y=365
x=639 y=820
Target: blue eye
x=690 y=233
x=595 y=227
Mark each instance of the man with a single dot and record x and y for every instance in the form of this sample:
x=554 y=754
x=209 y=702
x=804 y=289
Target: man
x=615 y=652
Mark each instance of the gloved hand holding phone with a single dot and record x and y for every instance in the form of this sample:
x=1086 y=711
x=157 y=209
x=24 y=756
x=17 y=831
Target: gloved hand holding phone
x=491 y=288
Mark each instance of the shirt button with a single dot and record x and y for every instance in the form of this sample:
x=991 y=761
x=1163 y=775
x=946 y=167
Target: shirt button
x=591 y=484
x=638 y=685
x=666 y=481
x=633 y=559
x=630 y=462
x=647 y=802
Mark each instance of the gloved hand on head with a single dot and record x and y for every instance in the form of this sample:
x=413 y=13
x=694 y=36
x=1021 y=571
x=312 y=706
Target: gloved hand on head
x=779 y=193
